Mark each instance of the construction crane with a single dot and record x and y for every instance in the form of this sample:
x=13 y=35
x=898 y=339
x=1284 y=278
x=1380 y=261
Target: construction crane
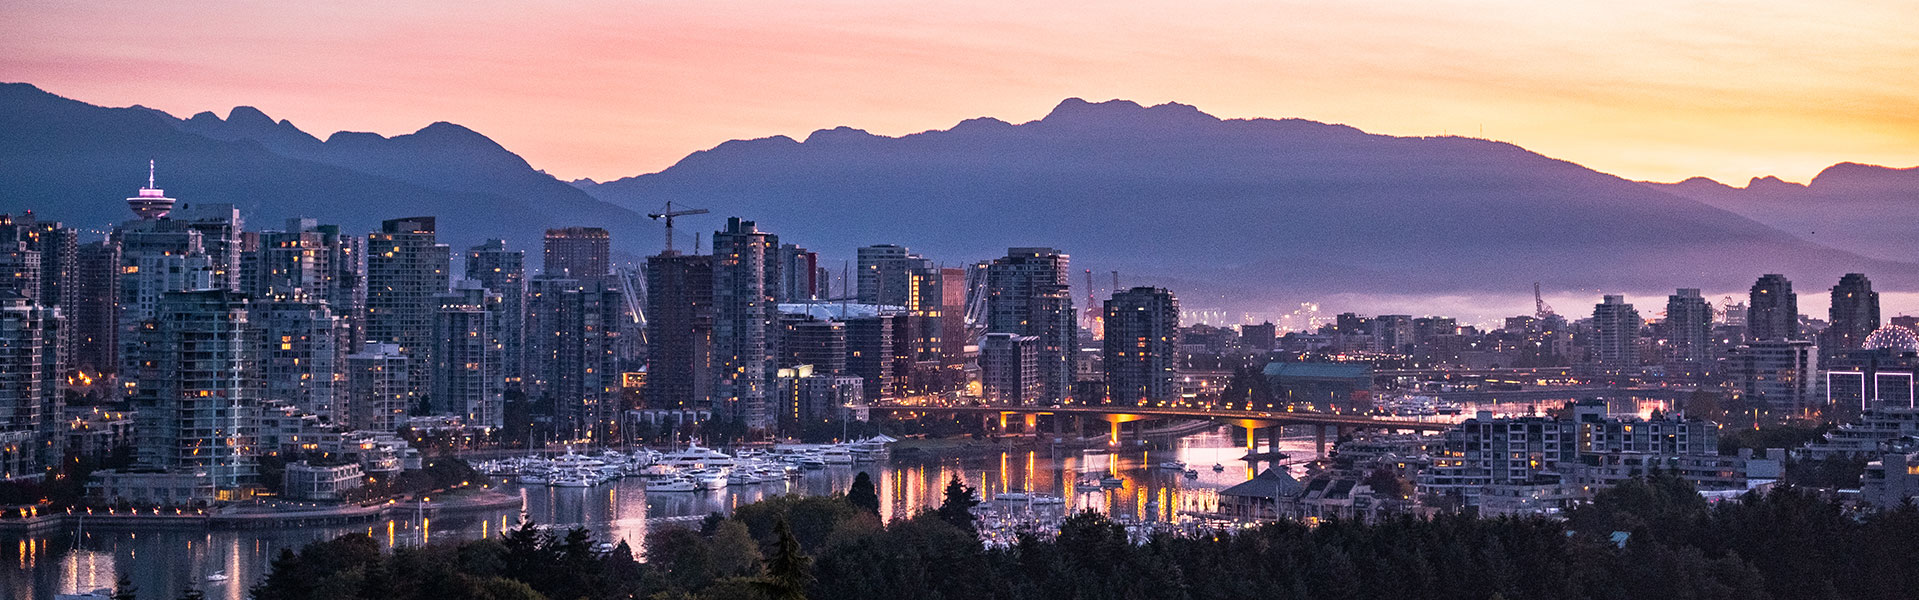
x=1540 y=309
x=668 y=215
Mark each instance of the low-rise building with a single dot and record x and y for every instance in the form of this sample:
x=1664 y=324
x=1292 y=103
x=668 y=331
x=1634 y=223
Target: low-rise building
x=307 y=481
x=1892 y=480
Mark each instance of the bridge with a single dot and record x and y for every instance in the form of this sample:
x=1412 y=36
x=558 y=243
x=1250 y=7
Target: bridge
x=1253 y=421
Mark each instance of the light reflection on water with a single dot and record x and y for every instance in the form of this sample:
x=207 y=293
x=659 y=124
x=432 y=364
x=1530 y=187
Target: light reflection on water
x=163 y=563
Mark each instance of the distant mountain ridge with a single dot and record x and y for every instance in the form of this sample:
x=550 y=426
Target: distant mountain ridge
x=1860 y=208
x=1249 y=214
x=73 y=161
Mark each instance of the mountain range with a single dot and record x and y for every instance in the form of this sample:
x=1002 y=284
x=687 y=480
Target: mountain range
x=1241 y=214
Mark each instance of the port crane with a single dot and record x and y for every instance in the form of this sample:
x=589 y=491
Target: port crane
x=668 y=215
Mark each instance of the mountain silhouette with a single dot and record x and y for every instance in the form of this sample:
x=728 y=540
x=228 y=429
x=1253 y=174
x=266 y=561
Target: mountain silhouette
x=1240 y=213
x=1850 y=206
x=1247 y=214
x=75 y=162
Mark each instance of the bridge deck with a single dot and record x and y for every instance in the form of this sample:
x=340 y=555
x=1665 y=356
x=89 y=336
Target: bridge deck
x=1265 y=417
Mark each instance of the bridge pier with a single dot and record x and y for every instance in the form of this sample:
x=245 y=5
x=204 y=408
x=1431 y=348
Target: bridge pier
x=1319 y=439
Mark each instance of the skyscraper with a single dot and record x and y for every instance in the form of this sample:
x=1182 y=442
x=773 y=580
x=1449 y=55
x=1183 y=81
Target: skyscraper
x=299 y=354
x=573 y=361
x=466 y=356
x=406 y=269
x=219 y=226
x=1028 y=293
x=1773 y=313
x=885 y=274
x=377 y=390
x=1615 y=333
x=577 y=253
x=197 y=397
x=94 y=314
x=1009 y=369
x=744 y=318
x=504 y=272
x=799 y=274
x=30 y=401
x=679 y=330
x=1854 y=312
x=1141 y=346
x=1689 y=328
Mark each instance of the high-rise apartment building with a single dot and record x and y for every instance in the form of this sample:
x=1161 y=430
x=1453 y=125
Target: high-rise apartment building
x=1854 y=315
x=197 y=396
x=799 y=274
x=1141 y=346
x=679 y=330
x=406 y=269
x=1773 y=312
x=1028 y=293
x=1780 y=374
x=504 y=272
x=467 y=382
x=885 y=274
x=378 y=394
x=745 y=322
x=299 y=355
x=219 y=226
x=1009 y=369
x=32 y=427
x=1688 y=329
x=1615 y=333
x=574 y=340
x=94 y=316
x=577 y=253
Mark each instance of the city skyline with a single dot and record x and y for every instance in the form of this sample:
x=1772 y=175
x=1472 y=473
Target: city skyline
x=1641 y=89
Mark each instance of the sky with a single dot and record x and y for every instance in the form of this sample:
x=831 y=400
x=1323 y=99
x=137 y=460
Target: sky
x=1647 y=89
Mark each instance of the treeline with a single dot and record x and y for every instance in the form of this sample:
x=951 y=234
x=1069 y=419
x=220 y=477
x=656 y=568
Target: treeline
x=1644 y=539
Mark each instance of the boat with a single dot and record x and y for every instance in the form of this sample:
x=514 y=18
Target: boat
x=1192 y=474
x=671 y=484
x=217 y=577
x=1219 y=468
x=708 y=479
x=837 y=455
x=1046 y=500
x=1173 y=464
x=1012 y=496
x=810 y=462
x=1087 y=482
x=1449 y=408
x=1112 y=481
x=571 y=479
x=97 y=594
x=696 y=456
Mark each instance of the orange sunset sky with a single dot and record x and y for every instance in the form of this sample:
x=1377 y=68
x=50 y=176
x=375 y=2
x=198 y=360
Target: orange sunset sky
x=1647 y=89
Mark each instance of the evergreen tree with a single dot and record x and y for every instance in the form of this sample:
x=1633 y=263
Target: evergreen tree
x=788 y=573
x=863 y=495
x=958 y=507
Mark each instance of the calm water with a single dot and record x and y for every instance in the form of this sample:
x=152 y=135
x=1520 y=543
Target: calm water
x=164 y=563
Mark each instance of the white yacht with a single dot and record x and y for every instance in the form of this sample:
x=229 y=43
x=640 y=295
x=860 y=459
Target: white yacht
x=671 y=484
x=696 y=456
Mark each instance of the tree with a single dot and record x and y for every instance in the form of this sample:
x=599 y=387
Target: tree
x=862 y=494
x=788 y=573
x=123 y=589
x=958 y=507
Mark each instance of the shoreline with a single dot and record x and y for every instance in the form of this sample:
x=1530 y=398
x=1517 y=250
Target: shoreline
x=258 y=519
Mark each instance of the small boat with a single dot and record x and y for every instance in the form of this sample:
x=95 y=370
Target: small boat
x=570 y=480
x=810 y=462
x=1111 y=481
x=1046 y=500
x=1087 y=482
x=98 y=594
x=1173 y=464
x=1192 y=474
x=1012 y=496
x=217 y=577
x=1219 y=468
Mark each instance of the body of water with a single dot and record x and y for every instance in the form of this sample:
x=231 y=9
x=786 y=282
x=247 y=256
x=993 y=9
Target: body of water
x=163 y=563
